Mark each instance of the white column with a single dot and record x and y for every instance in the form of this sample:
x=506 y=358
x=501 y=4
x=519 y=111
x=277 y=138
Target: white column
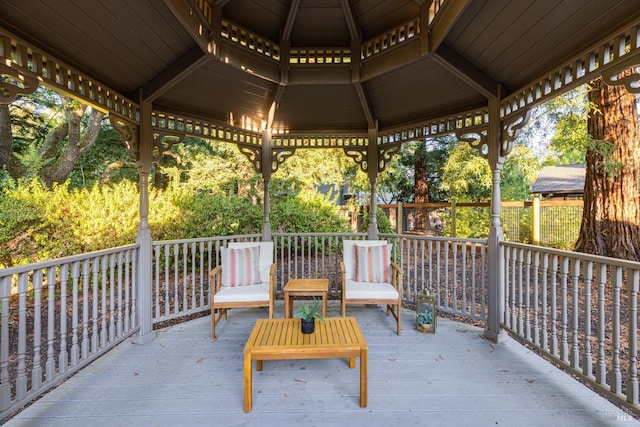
x=372 y=167
x=144 y=294
x=496 y=265
x=266 y=177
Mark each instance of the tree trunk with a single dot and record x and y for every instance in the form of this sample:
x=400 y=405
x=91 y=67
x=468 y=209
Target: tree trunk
x=421 y=188
x=6 y=137
x=611 y=214
x=81 y=136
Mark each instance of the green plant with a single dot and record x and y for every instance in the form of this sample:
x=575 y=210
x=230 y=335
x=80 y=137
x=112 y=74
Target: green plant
x=426 y=317
x=308 y=312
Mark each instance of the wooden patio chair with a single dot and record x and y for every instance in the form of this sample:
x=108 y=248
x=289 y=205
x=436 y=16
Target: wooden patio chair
x=245 y=278
x=369 y=276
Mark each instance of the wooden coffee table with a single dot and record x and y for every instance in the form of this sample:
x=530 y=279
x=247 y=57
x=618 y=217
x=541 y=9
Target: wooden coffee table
x=305 y=288
x=282 y=339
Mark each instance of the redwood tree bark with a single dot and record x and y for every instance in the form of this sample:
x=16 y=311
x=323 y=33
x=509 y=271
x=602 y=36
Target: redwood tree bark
x=421 y=188
x=611 y=214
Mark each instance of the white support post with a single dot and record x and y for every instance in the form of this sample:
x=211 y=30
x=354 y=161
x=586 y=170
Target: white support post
x=145 y=313
x=265 y=165
x=496 y=264
x=372 y=165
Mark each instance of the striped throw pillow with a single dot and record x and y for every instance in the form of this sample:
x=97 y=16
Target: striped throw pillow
x=373 y=264
x=241 y=266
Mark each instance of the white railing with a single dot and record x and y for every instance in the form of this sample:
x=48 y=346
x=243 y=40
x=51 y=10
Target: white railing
x=58 y=316
x=455 y=269
x=579 y=310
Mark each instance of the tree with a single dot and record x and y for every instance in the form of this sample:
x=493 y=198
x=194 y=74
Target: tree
x=45 y=135
x=611 y=214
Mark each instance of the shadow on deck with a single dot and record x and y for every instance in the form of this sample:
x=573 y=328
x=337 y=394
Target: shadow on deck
x=452 y=378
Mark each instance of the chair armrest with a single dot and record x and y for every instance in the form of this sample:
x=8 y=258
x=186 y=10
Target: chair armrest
x=343 y=278
x=216 y=279
x=396 y=277
x=272 y=281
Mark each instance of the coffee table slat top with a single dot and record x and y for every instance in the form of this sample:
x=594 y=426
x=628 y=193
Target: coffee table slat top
x=335 y=335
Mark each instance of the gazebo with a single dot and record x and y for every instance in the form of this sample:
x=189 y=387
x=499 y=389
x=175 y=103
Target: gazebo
x=277 y=76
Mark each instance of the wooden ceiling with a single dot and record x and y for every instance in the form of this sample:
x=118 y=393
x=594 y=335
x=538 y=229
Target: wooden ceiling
x=326 y=66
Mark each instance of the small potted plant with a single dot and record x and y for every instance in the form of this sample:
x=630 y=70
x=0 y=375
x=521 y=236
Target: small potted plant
x=425 y=321
x=307 y=314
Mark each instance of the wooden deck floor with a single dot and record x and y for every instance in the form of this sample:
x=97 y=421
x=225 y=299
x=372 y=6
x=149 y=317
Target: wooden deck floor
x=452 y=378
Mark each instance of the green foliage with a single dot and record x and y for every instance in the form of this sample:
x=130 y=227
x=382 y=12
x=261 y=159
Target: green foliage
x=38 y=223
x=466 y=175
x=471 y=222
x=308 y=212
x=518 y=173
x=384 y=225
x=199 y=214
x=308 y=312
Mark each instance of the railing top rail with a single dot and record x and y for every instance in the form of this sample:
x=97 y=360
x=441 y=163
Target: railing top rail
x=205 y=239
x=9 y=271
x=578 y=255
x=436 y=238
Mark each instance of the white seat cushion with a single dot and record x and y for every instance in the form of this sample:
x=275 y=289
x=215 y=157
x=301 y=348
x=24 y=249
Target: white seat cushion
x=251 y=293
x=367 y=290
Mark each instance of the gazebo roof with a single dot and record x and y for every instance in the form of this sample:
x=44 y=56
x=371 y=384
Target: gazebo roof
x=406 y=68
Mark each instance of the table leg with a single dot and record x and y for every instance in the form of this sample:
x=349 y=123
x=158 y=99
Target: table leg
x=363 y=377
x=324 y=304
x=248 y=382
x=287 y=302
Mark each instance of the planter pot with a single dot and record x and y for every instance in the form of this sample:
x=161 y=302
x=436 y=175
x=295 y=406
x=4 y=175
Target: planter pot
x=308 y=326
x=425 y=327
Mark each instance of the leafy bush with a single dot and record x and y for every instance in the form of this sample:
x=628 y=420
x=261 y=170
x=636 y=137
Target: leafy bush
x=308 y=212
x=384 y=225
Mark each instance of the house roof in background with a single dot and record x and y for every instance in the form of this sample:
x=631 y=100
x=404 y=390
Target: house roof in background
x=565 y=179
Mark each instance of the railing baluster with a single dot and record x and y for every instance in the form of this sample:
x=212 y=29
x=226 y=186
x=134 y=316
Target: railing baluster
x=119 y=322
x=536 y=303
x=616 y=374
x=5 y=388
x=21 y=375
x=587 y=360
x=127 y=287
x=463 y=276
x=193 y=276
x=94 y=329
x=632 y=380
x=545 y=309
x=36 y=371
x=103 y=301
x=527 y=296
x=176 y=299
x=112 y=307
x=519 y=304
x=84 y=347
x=63 y=355
x=75 y=349
x=564 y=343
x=601 y=367
x=156 y=295
x=574 y=355
x=554 y=305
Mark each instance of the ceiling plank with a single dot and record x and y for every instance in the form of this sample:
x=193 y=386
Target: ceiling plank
x=173 y=74
x=185 y=15
x=466 y=71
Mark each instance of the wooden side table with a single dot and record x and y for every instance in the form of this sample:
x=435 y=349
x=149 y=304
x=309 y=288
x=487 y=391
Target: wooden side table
x=305 y=288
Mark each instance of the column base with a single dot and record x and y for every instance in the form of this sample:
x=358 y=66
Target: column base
x=143 y=339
